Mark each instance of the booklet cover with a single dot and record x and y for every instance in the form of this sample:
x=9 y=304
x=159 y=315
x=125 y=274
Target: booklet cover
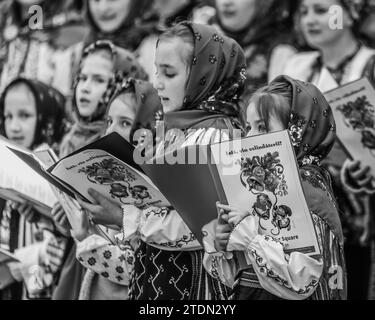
x=18 y=182
x=353 y=107
x=106 y=166
x=258 y=174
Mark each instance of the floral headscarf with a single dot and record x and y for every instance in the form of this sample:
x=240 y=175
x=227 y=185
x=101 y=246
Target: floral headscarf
x=312 y=127
x=125 y=65
x=147 y=103
x=217 y=74
x=50 y=109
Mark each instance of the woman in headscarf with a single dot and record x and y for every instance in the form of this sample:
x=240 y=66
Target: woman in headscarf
x=340 y=58
x=135 y=105
x=200 y=80
x=32 y=116
x=264 y=29
x=262 y=268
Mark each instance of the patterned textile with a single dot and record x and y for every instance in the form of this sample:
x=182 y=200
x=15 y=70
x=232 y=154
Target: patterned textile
x=264 y=33
x=178 y=275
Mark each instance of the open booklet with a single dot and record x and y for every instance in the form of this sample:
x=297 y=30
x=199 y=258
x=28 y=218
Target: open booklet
x=106 y=166
x=19 y=183
x=6 y=256
x=353 y=107
x=258 y=174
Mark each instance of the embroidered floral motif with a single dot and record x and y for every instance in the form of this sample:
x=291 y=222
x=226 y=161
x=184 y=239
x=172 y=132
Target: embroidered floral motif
x=91 y=261
x=107 y=254
x=105 y=274
x=217 y=38
x=119 y=269
x=203 y=81
x=212 y=59
x=267 y=271
x=195 y=60
x=198 y=36
x=184 y=241
x=296 y=125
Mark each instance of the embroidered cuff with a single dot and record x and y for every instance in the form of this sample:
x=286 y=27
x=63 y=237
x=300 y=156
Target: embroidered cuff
x=209 y=241
x=243 y=234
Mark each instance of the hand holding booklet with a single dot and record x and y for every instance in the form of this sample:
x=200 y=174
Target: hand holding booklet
x=353 y=107
x=257 y=174
x=106 y=166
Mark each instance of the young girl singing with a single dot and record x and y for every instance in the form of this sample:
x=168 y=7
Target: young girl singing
x=260 y=269
x=200 y=78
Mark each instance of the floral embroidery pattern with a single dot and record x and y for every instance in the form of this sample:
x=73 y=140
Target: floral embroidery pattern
x=267 y=271
x=296 y=125
x=184 y=241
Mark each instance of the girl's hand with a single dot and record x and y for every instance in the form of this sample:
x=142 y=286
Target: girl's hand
x=60 y=219
x=361 y=175
x=105 y=211
x=235 y=215
x=27 y=210
x=223 y=230
x=55 y=253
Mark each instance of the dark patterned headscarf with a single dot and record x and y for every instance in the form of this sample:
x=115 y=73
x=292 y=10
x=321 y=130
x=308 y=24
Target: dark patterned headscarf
x=216 y=80
x=125 y=65
x=312 y=127
x=148 y=108
x=50 y=106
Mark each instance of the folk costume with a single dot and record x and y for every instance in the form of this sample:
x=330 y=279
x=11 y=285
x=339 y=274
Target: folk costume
x=103 y=258
x=168 y=258
x=260 y=269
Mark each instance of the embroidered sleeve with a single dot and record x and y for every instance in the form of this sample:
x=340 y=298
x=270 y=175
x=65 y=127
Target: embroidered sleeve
x=293 y=277
x=110 y=261
x=165 y=229
x=223 y=266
